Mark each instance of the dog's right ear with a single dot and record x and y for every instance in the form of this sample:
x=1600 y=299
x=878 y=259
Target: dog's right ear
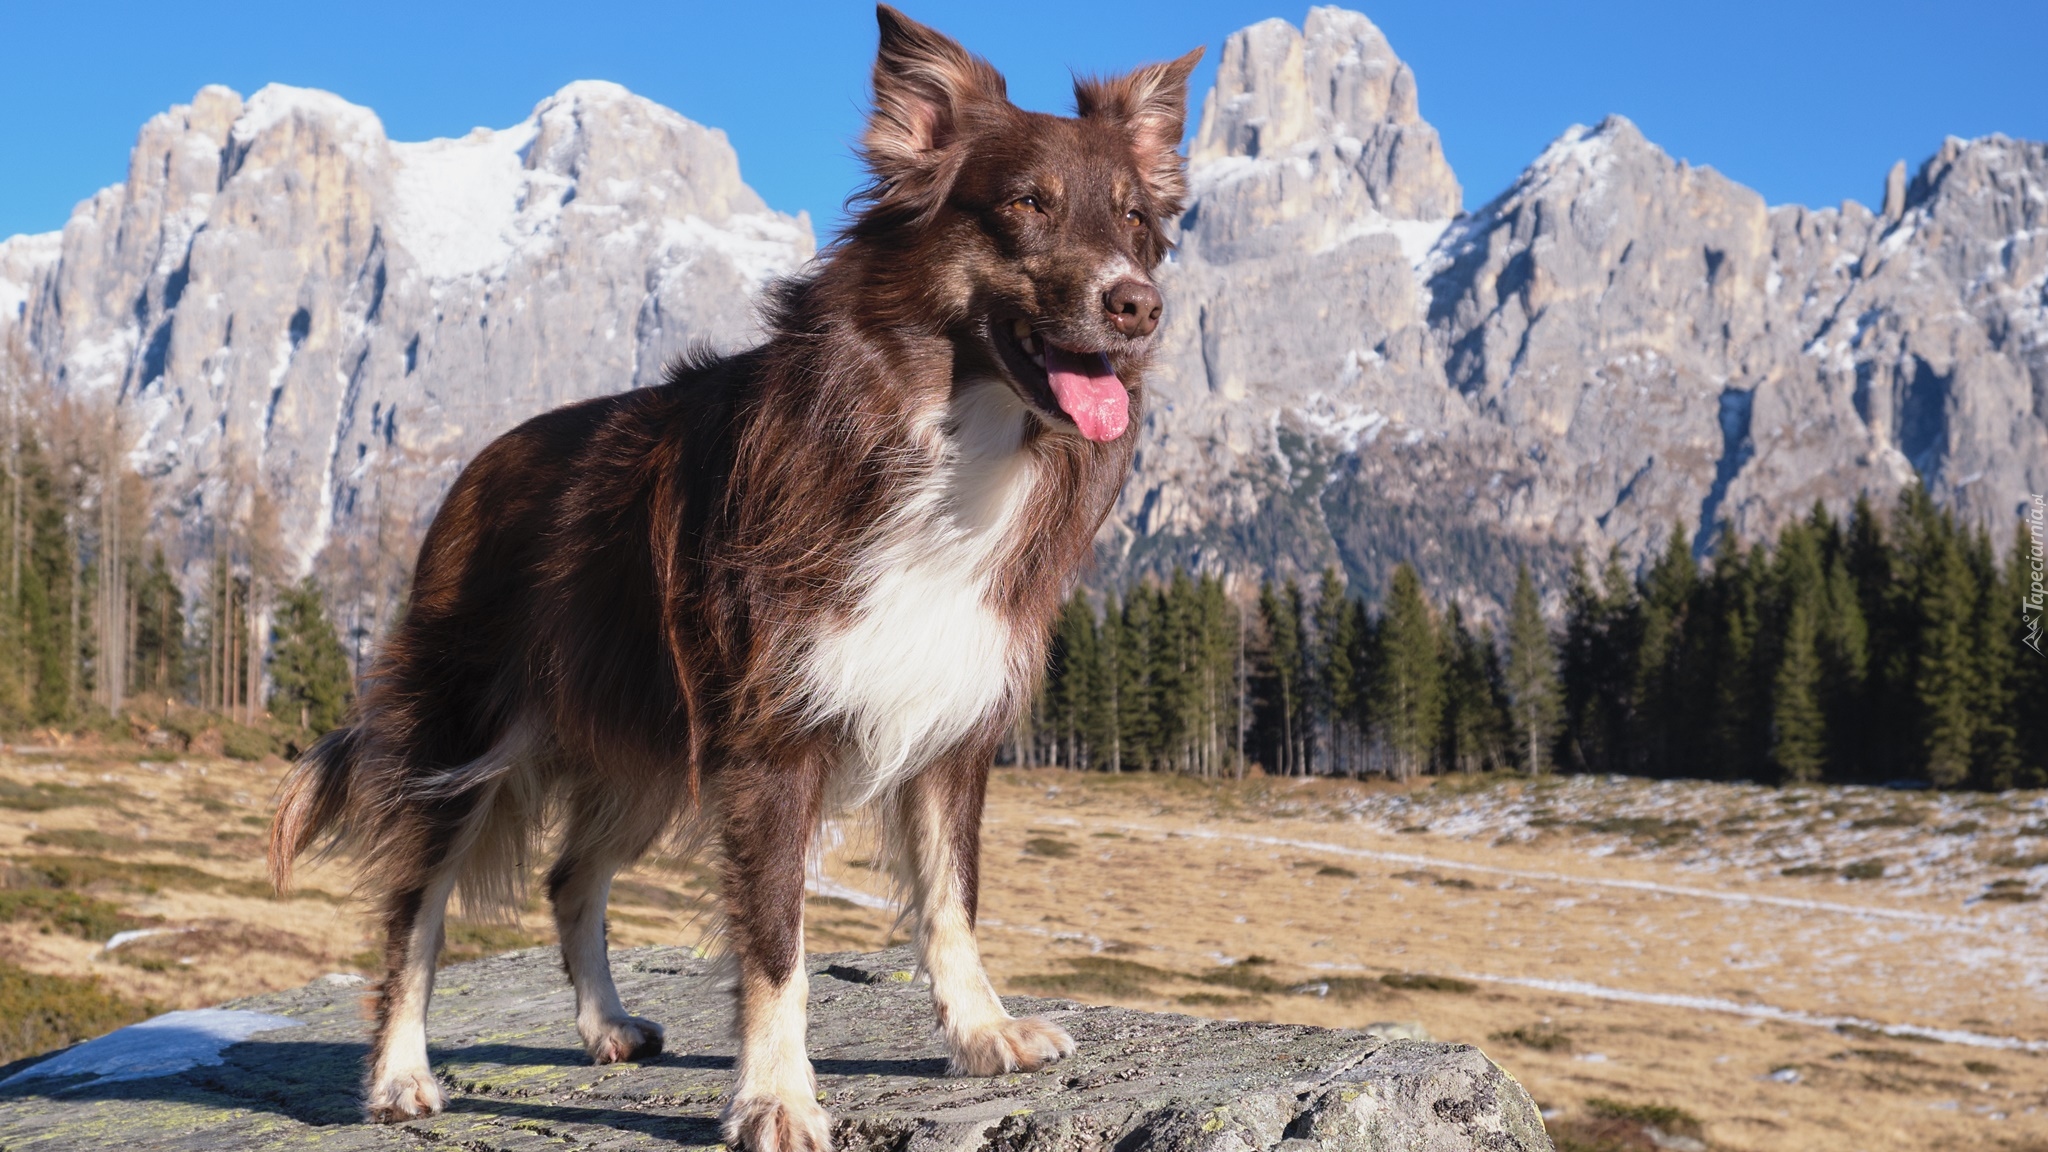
x=926 y=88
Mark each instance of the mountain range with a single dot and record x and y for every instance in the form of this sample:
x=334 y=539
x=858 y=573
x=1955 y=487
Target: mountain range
x=292 y=311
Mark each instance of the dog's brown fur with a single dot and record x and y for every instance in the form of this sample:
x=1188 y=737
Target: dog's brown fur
x=620 y=615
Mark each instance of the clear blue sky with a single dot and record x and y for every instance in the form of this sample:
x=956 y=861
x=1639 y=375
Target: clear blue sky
x=1807 y=102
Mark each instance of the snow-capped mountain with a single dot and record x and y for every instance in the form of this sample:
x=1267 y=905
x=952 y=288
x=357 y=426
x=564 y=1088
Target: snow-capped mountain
x=1354 y=372
x=283 y=301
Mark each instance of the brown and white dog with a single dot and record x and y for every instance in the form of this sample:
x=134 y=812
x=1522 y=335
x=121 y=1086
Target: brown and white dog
x=809 y=577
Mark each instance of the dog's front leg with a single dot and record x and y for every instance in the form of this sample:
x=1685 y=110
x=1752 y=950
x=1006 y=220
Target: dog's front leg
x=939 y=846
x=769 y=818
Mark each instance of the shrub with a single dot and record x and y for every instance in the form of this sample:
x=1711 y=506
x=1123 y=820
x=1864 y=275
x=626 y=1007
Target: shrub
x=43 y=796
x=240 y=743
x=66 y=912
x=1102 y=976
x=1541 y=1037
x=1671 y=1121
x=1423 y=982
x=38 y=1012
x=1245 y=975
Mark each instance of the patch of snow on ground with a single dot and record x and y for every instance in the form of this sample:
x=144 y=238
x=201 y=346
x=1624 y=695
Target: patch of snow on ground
x=1767 y=1012
x=162 y=1046
x=133 y=934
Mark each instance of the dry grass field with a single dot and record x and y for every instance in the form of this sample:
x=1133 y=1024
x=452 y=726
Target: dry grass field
x=1705 y=966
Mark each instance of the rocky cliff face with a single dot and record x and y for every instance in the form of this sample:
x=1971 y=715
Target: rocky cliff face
x=1354 y=372
x=284 y=302
x=1617 y=343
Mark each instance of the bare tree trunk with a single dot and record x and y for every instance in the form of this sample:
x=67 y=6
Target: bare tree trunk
x=252 y=689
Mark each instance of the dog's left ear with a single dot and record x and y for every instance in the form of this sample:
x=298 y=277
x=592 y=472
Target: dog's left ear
x=1152 y=105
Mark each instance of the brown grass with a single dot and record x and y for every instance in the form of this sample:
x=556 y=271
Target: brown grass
x=1148 y=915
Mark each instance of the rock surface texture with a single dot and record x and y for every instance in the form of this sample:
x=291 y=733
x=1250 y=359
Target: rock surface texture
x=505 y=1046
x=1354 y=371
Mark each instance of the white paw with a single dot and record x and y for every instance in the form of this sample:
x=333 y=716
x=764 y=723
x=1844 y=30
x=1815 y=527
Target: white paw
x=785 y=1122
x=626 y=1038
x=1008 y=1045
x=409 y=1094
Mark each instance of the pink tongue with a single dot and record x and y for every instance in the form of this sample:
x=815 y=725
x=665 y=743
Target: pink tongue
x=1088 y=390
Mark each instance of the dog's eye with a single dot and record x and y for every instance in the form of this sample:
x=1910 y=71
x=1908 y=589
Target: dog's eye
x=1025 y=204
x=1134 y=218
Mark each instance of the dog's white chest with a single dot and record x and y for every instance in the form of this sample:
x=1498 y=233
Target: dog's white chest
x=924 y=657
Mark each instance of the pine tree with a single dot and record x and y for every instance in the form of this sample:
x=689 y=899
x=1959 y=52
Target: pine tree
x=1531 y=675
x=1880 y=727
x=1944 y=669
x=308 y=666
x=1738 y=733
x=1472 y=719
x=1113 y=665
x=49 y=578
x=1798 y=724
x=1409 y=696
x=1658 y=666
x=159 y=666
x=1280 y=613
x=1995 y=740
x=1072 y=687
x=1138 y=713
x=1335 y=680
x=1844 y=645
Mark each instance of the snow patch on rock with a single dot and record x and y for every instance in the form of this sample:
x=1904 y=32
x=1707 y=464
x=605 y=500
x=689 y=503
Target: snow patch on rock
x=162 y=1046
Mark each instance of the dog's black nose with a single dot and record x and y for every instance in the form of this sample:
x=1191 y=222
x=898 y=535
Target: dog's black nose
x=1133 y=306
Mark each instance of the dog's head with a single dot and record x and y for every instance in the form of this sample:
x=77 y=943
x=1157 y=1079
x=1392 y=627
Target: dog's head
x=1033 y=237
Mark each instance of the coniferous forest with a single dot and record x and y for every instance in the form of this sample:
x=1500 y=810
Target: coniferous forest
x=93 y=626
x=1883 y=649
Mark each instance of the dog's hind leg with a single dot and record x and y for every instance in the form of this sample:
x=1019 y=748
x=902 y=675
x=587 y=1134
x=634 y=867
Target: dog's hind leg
x=433 y=839
x=400 y=1085
x=936 y=830
x=768 y=819
x=602 y=836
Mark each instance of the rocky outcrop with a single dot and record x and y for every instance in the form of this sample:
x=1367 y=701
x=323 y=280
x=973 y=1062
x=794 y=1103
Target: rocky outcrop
x=505 y=1047
x=285 y=302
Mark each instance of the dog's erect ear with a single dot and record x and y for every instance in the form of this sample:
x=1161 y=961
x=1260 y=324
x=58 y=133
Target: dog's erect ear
x=1152 y=105
x=926 y=86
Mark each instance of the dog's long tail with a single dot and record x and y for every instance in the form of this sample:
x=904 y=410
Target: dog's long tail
x=312 y=800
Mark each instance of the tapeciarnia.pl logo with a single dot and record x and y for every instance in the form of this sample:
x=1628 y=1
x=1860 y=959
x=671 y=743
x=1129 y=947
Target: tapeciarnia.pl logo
x=2034 y=605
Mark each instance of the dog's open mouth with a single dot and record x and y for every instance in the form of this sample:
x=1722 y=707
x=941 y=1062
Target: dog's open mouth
x=1080 y=385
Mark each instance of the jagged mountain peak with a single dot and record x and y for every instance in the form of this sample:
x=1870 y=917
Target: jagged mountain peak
x=1308 y=133
x=1279 y=86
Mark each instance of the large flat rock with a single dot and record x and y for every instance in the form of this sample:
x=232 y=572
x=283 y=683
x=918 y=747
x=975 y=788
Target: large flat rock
x=505 y=1045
